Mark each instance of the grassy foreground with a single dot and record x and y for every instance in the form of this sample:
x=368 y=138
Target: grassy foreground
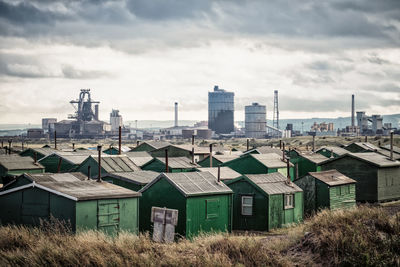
x=364 y=236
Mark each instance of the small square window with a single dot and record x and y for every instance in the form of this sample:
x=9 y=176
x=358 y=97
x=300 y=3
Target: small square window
x=247 y=205
x=289 y=201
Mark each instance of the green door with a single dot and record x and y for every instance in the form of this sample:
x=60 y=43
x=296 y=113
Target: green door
x=108 y=216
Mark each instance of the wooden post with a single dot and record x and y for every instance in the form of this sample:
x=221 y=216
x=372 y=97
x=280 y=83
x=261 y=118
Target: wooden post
x=166 y=160
x=99 y=159
x=119 y=140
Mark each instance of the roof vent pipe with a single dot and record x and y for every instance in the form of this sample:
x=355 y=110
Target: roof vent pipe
x=35 y=157
x=22 y=145
x=99 y=165
x=166 y=160
x=210 y=156
x=137 y=143
x=288 y=170
x=55 y=139
x=332 y=154
x=73 y=146
x=9 y=147
x=119 y=140
x=248 y=144
x=192 y=139
x=219 y=174
x=88 y=172
x=280 y=144
x=283 y=152
x=391 y=145
x=366 y=139
x=192 y=155
x=2 y=143
x=59 y=165
x=313 y=143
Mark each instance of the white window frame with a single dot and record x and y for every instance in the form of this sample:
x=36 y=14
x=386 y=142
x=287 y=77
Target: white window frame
x=247 y=205
x=289 y=204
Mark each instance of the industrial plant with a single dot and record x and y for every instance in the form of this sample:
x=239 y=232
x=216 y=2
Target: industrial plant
x=221 y=110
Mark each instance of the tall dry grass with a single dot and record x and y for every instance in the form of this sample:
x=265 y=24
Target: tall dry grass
x=364 y=237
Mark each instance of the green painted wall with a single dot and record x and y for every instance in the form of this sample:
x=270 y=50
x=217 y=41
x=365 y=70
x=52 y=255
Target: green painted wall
x=172 y=152
x=279 y=216
x=51 y=164
x=388 y=184
x=258 y=221
x=322 y=195
x=342 y=196
x=246 y=165
x=208 y=214
x=83 y=167
x=275 y=211
x=86 y=215
x=306 y=166
x=364 y=173
x=307 y=183
x=206 y=162
x=162 y=194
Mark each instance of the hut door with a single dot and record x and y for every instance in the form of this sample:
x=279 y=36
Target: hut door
x=108 y=216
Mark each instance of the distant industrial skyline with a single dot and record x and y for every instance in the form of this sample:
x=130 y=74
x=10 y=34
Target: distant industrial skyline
x=141 y=57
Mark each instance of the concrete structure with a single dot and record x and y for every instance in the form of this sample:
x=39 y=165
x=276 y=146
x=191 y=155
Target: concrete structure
x=255 y=120
x=327 y=189
x=115 y=121
x=221 y=111
x=374 y=128
x=203 y=203
x=262 y=202
x=48 y=124
x=70 y=197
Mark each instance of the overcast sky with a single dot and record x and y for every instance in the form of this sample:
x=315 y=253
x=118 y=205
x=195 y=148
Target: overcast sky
x=140 y=56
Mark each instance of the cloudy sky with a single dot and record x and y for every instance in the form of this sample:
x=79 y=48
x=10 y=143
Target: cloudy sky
x=140 y=56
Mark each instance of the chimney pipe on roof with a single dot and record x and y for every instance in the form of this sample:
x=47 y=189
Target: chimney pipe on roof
x=22 y=145
x=2 y=143
x=332 y=154
x=283 y=152
x=119 y=140
x=88 y=172
x=192 y=139
x=55 y=139
x=366 y=138
x=391 y=145
x=192 y=155
x=9 y=146
x=210 y=156
x=73 y=146
x=248 y=144
x=219 y=174
x=280 y=144
x=288 y=169
x=272 y=145
x=99 y=165
x=59 y=165
x=137 y=143
x=35 y=157
x=166 y=160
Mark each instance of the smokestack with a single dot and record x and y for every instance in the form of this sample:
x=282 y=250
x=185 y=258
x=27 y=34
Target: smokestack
x=219 y=174
x=88 y=172
x=248 y=144
x=119 y=140
x=166 y=160
x=96 y=112
x=391 y=145
x=176 y=114
x=55 y=139
x=352 y=110
x=210 y=156
x=99 y=159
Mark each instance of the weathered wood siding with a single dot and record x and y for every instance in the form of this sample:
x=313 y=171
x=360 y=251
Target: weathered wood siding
x=342 y=196
x=388 y=184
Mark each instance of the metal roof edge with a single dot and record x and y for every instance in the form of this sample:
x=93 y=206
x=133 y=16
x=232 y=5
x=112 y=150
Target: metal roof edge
x=5 y=192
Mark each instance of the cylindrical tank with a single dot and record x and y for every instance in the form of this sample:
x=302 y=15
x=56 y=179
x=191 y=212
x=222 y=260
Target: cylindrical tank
x=203 y=133
x=220 y=111
x=255 y=120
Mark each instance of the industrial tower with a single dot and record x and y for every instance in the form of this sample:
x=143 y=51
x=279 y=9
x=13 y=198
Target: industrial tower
x=275 y=122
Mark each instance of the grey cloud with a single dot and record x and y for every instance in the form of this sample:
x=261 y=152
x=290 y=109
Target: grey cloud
x=70 y=72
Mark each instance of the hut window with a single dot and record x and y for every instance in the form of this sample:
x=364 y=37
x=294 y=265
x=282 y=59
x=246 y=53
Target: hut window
x=289 y=201
x=247 y=205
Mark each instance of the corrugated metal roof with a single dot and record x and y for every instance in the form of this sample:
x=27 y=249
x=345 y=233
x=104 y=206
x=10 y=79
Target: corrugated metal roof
x=197 y=149
x=264 y=150
x=140 y=158
x=395 y=148
x=194 y=183
x=376 y=159
x=117 y=163
x=157 y=144
x=226 y=172
x=179 y=162
x=16 y=162
x=273 y=183
x=332 y=177
x=387 y=154
x=44 y=151
x=123 y=148
x=77 y=186
x=335 y=149
x=138 y=177
x=365 y=145
x=315 y=157
x=271 y=160
x=72 y=157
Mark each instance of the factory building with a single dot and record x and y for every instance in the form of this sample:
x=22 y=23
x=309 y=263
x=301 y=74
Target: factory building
x=369 y=125
x=255 y=120
x=115 y=121
x=221 y=111
x=48 y=124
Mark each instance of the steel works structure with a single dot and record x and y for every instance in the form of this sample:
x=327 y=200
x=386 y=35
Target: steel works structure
x=220 y=111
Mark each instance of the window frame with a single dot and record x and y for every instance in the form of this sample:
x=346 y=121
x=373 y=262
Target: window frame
x=246 y=205
x=285 y=202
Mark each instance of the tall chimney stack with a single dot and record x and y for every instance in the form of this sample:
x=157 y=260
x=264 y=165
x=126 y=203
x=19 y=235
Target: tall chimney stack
x=96 y=112
x=352 y=111
x=176 y=114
